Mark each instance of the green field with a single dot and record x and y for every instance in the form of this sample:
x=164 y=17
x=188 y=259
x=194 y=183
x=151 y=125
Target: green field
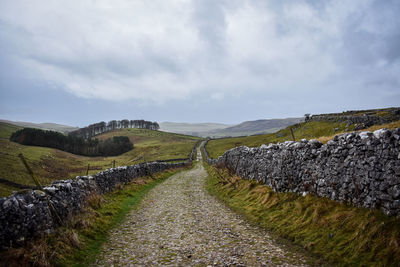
x=308 y=130
x=51 y=164
x=320 y=130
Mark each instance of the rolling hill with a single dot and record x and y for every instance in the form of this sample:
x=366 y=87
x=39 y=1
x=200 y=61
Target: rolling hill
x=255 y=127
x=197 y=129
x=225 y=130
x=50 y=164
x=44 y=126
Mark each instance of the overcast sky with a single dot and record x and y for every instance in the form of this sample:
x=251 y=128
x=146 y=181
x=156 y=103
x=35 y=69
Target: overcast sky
x=79 y=62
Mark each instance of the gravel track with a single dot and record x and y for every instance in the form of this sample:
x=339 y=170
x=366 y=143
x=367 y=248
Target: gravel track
x=179 y=224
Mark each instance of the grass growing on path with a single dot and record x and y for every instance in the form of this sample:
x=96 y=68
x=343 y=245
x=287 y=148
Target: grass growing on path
x=342 y=235
x=79 y=242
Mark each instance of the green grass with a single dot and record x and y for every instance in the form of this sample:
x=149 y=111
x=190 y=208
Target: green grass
x=7 y=129
x=51 y=164
x=79 y=242
x=342 y=235
x=308 y=130
x=322 y=131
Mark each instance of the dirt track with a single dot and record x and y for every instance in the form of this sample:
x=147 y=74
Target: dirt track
x=180 y=224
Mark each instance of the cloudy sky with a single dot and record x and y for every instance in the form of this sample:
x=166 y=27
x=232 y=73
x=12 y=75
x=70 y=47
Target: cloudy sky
x=79 y=62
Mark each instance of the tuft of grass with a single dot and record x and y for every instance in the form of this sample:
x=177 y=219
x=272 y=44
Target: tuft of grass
x=94 y=200
x=340 y=234
x=79 y=241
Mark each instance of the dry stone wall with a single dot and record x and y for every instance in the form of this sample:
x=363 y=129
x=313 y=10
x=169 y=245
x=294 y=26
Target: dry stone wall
x=27 y=214
x=359 y=121
x=362 y=169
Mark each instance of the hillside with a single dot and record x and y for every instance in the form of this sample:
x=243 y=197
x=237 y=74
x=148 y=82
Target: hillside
x=197 y=129
x=255 y=127
x=51 y=164
x=44 y=126
x=382 y=112
x=6 y=129
x=322 y=130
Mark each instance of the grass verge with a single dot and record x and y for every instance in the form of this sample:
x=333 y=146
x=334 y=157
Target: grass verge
x=340 y=234
x=80 y=240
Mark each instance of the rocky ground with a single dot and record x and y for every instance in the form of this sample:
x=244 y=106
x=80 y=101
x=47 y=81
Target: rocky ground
x=180 y=224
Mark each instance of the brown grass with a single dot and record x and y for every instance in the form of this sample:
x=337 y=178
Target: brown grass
x=341 y=234
x=94 y=200
x=392 y=125
x=34 y=254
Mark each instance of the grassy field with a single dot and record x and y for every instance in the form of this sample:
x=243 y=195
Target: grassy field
x=322 y=131
x=339 y=234
x=7 y=129
x=78 y=242
x=51 y=164
x=306 y=130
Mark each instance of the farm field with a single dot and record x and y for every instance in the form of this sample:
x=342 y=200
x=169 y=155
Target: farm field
x=50 y=164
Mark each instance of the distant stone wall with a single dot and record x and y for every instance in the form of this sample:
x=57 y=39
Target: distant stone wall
x=27 y=214
x=362 y=169
x=360 y=121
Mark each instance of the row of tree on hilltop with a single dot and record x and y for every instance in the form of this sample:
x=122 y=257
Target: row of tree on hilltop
x=101 y=127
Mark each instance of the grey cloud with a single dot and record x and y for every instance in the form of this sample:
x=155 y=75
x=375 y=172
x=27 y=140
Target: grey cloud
x=171 y=50
x=392 y=51
x=209 y=18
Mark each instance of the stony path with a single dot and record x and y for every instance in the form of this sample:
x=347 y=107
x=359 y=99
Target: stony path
x=180 y=224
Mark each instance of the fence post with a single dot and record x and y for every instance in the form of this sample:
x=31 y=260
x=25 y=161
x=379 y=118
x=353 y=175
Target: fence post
x=87 y=170
x=30 y=172
x=291 y=131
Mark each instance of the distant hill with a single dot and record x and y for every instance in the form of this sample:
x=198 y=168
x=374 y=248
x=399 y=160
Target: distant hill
x=224 y=130
x=44 y=126
x=197 y=129
x=255 y=127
